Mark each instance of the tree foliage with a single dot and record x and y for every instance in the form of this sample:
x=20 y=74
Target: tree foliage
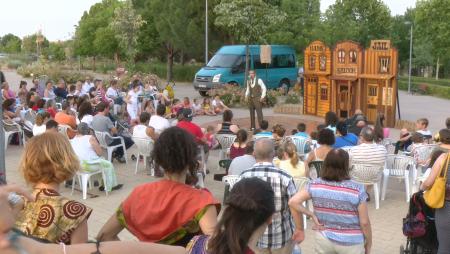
x=29 y=43
x=10 y=43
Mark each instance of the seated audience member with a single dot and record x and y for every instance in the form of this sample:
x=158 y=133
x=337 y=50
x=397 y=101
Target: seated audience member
x=51 y=126
x=210 y=137
x=158 y=121
x=227 y=126
x=49 y=93
x=249 y=205
x=447 y=125
x=331 y=120
x=67 y=117
x=48 y=161
x=22 y=94
x=301 y=131
x=88 y=150
x=278 y=132
x=404 y=142
x=238 y=148
x=50 y=107
x=197 y=107
x=421 y=127
x=113 y=93
x=358 y=116
x=326 y=141
x=85 y=113
x=168 y=211
x=286 y=228
x=60 y=90
x=368 y=152
x=143 y=131
x=339 y=208
x=290 y=161
x=218 y=105
x=381 y=132
x=187 y=103
x=241 y=163
x=343 y=138
x=207 y=107
x=101 y=122
x=444 y=139
x=185 y=122
x=39 y=125
x=11 y=113
x=263 y=132
x=6 y=91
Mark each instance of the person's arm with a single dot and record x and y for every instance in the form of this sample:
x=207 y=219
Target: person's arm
x=234 y=128
x=263 y=88
x=296 y=205
x=97 y=148
x=208 y=221
x=426 y=185
x=110 y=230
x=150 y=131
x=80 y=235
x=366 y=228
x=247 y=91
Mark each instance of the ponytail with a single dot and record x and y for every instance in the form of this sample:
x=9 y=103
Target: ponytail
x=291 y=151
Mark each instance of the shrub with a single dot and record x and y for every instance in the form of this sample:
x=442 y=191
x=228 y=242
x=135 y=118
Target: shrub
x=292 y=98
x=14 y=64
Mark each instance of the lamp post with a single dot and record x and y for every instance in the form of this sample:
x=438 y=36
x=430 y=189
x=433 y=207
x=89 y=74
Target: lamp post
x=410 y=54
x=206 y=32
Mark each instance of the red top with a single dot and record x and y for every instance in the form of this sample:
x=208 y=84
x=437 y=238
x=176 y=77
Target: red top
x=155 y=210
x=192 y=128
x=236 y=151
x=52 y=112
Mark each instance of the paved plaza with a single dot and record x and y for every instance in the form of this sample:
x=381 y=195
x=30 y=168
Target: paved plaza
x=386 y=222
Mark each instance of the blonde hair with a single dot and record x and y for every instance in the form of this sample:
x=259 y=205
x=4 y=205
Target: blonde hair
x=291 y=151
x=48 y=158
x=40 y=118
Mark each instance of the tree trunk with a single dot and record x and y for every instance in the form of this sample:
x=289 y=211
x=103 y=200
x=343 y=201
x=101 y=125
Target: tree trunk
x=93 y=63
x=247 y=63
x=169 y=62
x=437 y=69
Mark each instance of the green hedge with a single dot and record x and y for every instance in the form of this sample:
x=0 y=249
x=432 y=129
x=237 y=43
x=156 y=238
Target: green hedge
x=422 y=80
x=182 y=73
x=435 y=90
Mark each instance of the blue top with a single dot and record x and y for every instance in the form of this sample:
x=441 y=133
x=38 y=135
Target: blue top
x=302 y=134
x=348 y=140
x=264 y=133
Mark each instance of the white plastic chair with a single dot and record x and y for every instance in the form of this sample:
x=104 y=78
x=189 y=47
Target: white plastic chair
x=145 y=148
x=398 y=166
x=103 y=136
x=84 y=179
x=301 y=143
x=203 y=158
x=423 y=153
x=63 y=128
x=368 y=175
x=225 y=141
x=8 y=134
x=231 y=180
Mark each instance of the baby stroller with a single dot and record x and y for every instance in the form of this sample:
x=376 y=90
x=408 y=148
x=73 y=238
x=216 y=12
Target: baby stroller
x=419 y=228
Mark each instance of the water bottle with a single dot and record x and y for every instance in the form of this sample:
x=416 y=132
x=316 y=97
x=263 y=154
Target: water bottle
x=297 y=249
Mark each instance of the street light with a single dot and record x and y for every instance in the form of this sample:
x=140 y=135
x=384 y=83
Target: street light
x=410 y=54
x=206 y=32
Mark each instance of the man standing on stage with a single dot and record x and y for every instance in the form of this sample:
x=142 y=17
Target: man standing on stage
x=255 y=95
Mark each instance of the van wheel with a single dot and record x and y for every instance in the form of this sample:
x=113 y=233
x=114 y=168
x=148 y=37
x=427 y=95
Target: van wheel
x=284 y=86
x=203 y=93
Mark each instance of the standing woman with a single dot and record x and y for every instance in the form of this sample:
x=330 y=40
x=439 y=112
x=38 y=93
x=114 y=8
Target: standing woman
x=442 y=215
x=133 y=103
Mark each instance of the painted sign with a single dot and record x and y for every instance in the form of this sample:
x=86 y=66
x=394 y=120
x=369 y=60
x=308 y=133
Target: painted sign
x=380 y=44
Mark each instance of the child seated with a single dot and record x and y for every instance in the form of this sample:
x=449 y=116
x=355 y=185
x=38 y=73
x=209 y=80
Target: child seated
x=197 y=108
x=301 y=131
x=421 y=127
x=218 y=105
x=210 y=139
x=207 y=108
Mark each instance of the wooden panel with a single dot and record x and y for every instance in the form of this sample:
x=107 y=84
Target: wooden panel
x=317 y=59
x=311 y=96
x=347 y=59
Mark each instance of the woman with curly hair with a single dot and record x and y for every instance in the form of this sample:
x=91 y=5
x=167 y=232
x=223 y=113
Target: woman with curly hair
x=49 y=160
x=169 y=211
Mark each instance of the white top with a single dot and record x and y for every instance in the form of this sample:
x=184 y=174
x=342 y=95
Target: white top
x=85 y=88
x=83 y=148
x=112 y=93
x=133 y=100
x=159 y=123
x=252 y=84
x=196 y=107
x=372 y=154
x=216 y=103
x=87 y=119
x=38 y=130
x=139 y=131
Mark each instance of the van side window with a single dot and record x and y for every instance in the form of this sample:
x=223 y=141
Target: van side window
x=257 y=63
x=240 y=64
x=283 y=61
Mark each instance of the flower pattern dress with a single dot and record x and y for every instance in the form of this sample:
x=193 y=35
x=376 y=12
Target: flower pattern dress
x=51 y=217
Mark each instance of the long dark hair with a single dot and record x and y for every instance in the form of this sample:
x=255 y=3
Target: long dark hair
x=331 y=119
x=250 y=204
x=379 y=125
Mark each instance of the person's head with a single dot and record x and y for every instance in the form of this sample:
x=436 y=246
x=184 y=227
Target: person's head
x=78 y=85
x=206 y=101
x=331 y=119
x=241 y=136
x=417 y=138
x=49 y=85
x=40 y=103
x=294 y=131
x=217 y=97
x=444 y=136
x=249 y=148
x=320 y=127
x=186 y=101
x=341 y=128
x=290 y=150
x=144 y=118
x=92 y=92
x=264 y=125
x=87 y=79
x=5 y=85
x=180 y=146
x=447 y=122
x=248 y=207
x=358 y=112
x=85 y=108
x=51 y=126
x=50 y=104
x=48 y=158
x=8 y=104
x=41 y=118
x=135 y=86
x=336 y=166
x=367 y=135
x=301 y=127
x=252 y=74
x=326 y=137
x=35 y=81
x=361 y=123
x=83 y=129
x=279 y=130
x=264 y=150
x=62 y=83
x=422 y=124
x=195 y=101
x=65 y=106
x=113 y=83
x=227 y=116
x=103 y=107
x=72 y=88
x=210 y=129
x=23 y=84
x=160 y=109
x=187 y=114
x=314 y=135
x=380 y=119
x=434 y=156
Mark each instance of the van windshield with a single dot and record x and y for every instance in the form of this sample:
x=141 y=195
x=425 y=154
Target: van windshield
x=223 y=61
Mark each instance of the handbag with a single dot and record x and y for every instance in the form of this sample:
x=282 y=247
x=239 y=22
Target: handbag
x=414 y=225
x=435 y=196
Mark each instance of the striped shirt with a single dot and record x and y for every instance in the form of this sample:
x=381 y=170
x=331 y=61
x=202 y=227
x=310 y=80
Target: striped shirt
x=336 y=207
x=280 y=231
x=371 y=154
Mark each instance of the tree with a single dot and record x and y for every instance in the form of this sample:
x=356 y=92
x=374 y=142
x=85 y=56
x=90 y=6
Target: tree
x=56 y=51
x=29 y=44
x=148 y=42
x=358 y=20
x=400 y=34
x=126 y=24
x=432 y=21
x=10 y=43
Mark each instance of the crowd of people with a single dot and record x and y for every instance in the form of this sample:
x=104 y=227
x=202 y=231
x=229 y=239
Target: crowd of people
x=261 y=214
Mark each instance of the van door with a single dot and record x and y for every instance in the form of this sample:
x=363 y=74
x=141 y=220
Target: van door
x=282 y=67
x=237 y=72
x=262 y=71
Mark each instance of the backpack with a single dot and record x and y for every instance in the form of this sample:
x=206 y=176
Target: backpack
x=415 y=222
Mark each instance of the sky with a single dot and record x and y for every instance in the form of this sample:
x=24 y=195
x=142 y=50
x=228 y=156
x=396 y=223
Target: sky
x=57 y=18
